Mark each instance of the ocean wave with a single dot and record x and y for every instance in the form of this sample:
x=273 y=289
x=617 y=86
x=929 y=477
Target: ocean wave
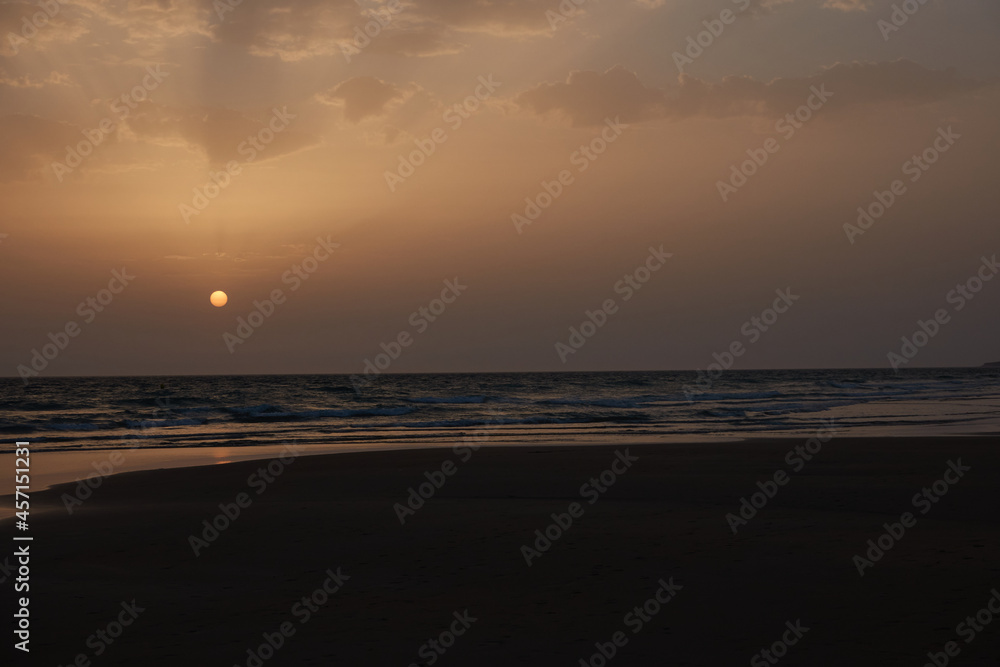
x=447 y=400
x=799 y=407
x=270 y=412
x=70 y=427
x=841 y=385
x=737 y=395
x=159 y=423
x=36 y=406
x=456 y=423
x=526 y=420
x=96 y=412
x=598 y=402
x=256 y=410
x=724 y=413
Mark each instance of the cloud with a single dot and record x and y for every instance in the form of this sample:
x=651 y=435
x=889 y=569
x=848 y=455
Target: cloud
x=587 y=98
x=31 y=144
x=290 y=29
x=294 y=30
x=760 y=8
x=418 y=42
x=146 y=21
x=848 y=5
x=362 y=97
x=27 y=81
x=764 y=7
x=298 y=29
x=497 y=17
x=217 y=133
x=25 y=26
x=389 y=112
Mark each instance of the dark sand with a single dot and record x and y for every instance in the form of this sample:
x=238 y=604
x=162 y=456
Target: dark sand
x=664 y=518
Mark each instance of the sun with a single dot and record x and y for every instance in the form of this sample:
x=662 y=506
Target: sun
x=219 y=299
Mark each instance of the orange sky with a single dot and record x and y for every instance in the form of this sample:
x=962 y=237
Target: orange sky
x=414 y=152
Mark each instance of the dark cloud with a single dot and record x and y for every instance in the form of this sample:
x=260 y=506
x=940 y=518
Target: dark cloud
x=290 y=29
x=501 y=17
x=299 y=29
x=31 y=144
x=27 y=26
x=362 y=97
x=587 y=98
x=421 y=41
x=216 y=132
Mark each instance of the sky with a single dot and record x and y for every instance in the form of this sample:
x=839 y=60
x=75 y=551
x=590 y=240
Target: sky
x=507 y=185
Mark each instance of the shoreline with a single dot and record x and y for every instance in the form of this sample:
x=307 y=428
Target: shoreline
x=69 y=466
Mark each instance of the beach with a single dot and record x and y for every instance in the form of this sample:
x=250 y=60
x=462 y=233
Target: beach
x=499 y=333
x=431 y=556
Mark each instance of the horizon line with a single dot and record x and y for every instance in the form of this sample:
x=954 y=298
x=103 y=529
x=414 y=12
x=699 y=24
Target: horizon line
x=986 y=365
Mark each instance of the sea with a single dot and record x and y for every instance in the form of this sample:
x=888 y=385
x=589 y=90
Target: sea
x=57 y=414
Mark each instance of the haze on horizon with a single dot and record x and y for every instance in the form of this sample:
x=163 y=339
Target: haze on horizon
x=169 y=93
